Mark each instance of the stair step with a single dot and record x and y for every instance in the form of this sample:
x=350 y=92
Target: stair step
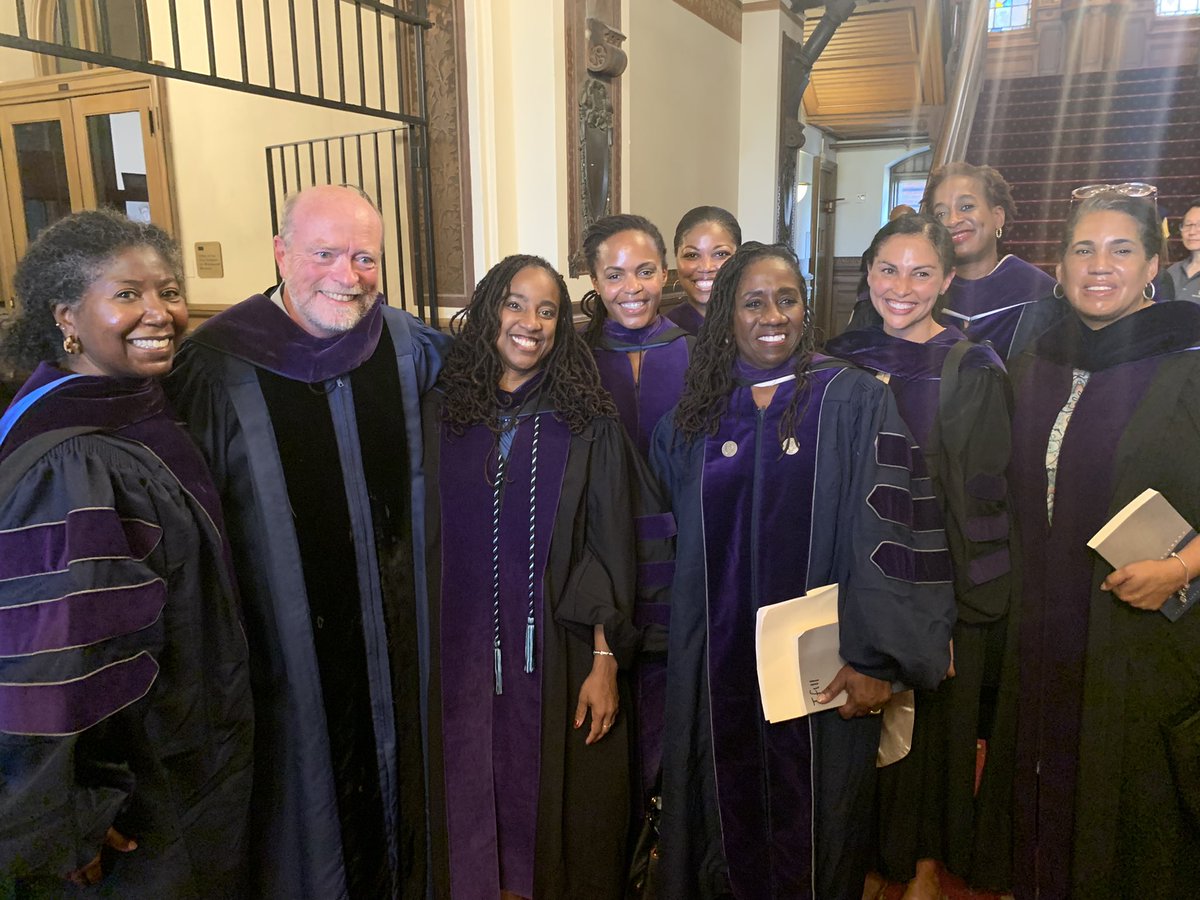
x=1003 y=96
x=1126 y=103
x=1158 y=73
x=1048 y=122
x=1072 y=138
x=1180 y=157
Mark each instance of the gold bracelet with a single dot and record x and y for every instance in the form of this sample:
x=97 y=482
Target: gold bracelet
x=603 y=653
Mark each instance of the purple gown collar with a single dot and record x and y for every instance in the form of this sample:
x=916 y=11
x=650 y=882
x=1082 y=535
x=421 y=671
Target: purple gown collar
x=260 y=333
x=93 y=400
x=516 y=401
x=615 y=336
x=687 y=317
x=1157 y=330
x=872 y=348
x=746 y=374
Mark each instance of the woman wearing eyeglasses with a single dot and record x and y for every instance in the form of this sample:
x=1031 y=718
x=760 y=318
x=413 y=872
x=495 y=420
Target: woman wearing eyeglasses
x=1105 y=685
x=1185 y=274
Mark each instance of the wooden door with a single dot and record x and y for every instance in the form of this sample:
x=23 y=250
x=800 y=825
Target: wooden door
x=824 y=211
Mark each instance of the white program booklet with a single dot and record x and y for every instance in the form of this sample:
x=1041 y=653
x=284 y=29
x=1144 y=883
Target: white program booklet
x=1148 y=527
x=797 y=644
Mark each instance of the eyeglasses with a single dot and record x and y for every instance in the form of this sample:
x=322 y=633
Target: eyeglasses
x=1129 y=189
x=1190 y=226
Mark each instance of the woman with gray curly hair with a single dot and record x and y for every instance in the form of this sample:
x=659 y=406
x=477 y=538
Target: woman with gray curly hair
x=125 y=719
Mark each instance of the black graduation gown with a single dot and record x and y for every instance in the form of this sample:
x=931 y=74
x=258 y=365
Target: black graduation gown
x=927 y=799
x=315 y=445
x=785 y=810
x=124 y=674
x=1099 y=812
x=577 y=796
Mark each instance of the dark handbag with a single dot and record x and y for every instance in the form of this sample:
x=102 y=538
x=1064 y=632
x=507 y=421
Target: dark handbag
x=643 y=868
x=1182 y=736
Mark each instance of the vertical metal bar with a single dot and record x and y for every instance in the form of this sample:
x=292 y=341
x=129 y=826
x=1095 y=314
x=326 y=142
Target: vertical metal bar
x=283 y=172
x=345 y=180
x=296 y=162
x=175 y=35
x=362 y=61
x=212 y=44
x=295 y=49
x=270 y=43
x=143 y=31
x=379 y=48
x=358 y=154
x=241 y=23
x=64 y=24
x=337 y=22
x=379 y=205
x=317 y=40
x=312 y=162
x=414 y=218
x=395 y=170
x=271 y=191
x=22 y=23
x=105 y=35
x=328 y=163
x=426 y=180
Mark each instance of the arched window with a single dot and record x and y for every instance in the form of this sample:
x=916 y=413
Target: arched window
x=1009 y=15
x=907 y=179
x=1177 y=7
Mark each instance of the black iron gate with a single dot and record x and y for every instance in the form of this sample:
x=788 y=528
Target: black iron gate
x=359 y=56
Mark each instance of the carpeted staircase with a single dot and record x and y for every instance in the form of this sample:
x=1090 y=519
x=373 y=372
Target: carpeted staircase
x=1048 y=136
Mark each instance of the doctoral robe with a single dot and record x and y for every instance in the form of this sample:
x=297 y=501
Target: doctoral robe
x=1099 y=812
x=927 y=799
x=519 y=802
x=1001 y=308
x=124 y=676
x=785 y=810
x=686 y=317
x=665 y=349
x=315 y=444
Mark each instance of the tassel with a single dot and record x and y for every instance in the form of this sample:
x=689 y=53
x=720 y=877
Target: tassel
x=499 y=676
x=529 y=645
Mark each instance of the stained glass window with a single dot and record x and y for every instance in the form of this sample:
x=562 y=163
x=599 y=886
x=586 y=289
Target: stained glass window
x=1009 y=15
x=1178 y=7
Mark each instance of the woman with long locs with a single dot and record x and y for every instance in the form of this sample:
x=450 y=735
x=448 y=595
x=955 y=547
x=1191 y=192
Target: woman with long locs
x=533 y=570
x=787 y=471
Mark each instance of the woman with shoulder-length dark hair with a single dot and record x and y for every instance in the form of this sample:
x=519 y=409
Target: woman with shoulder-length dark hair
x=533 y=540
x=1106 y=685
x=786 y=472
x=705 y=238
x=953 y=395
x=125 y=718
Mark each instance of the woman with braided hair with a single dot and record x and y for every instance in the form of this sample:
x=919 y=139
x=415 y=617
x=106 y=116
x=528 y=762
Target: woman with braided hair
x=787 y=471
x=533 y=584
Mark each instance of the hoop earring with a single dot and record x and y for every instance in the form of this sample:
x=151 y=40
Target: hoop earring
x=72 y=345
x=999 y=233
x=1151 y=288
x=1058 y=292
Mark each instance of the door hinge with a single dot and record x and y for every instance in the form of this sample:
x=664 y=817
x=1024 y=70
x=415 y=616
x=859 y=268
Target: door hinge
x=151 y=114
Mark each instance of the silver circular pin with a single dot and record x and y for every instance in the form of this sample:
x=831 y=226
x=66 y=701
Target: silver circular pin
x=729 y=448
x=791 y=447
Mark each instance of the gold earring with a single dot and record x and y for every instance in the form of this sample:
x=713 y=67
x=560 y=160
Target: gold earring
x=72 y=345
x=999 y=233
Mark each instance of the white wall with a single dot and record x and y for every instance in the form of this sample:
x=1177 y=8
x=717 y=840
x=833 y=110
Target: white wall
x=863 y=182
x=683 y=93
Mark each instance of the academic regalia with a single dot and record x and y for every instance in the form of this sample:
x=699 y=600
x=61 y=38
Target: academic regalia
x=1097 y=681
x=686 y=317
x=927 y=800
x=518 y=801
x=124 y=681
x=1001 y=308
x=665 y=349
x=315 y=444
x=760 y=523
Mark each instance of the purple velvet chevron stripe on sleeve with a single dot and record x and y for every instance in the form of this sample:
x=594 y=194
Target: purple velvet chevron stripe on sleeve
x=69 y=707
x=892 y=504
x=914 y=566
x=655 y=528
x=652 y=575
x=920 y=468
x=987 y=487
x=990 y=567
x=86 y=534
x=80 y=619
x=651 y=614
x=893 y=450
x=987 y=528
